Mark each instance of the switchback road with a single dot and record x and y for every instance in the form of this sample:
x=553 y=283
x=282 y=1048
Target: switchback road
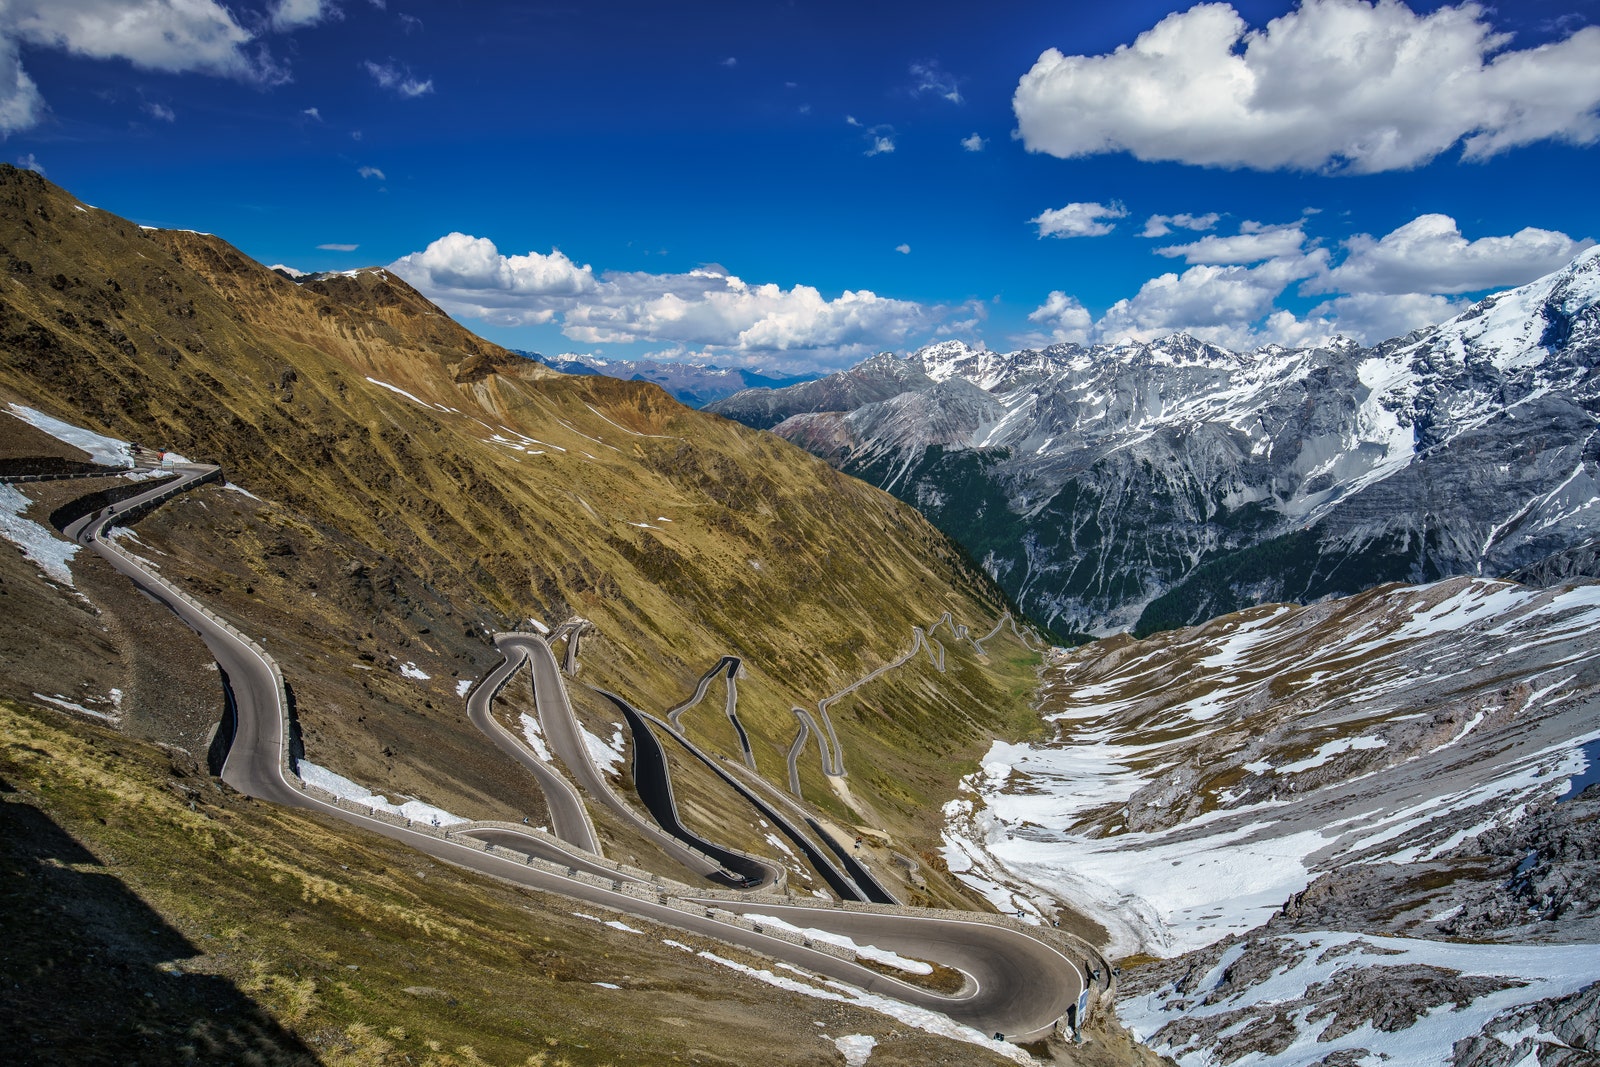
x=1017 y=982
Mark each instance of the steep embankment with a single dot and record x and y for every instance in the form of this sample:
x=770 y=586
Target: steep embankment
x=412 y=487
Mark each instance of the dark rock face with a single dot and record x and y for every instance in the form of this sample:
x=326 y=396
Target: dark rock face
x=1145 y=486
x=1561 y=1032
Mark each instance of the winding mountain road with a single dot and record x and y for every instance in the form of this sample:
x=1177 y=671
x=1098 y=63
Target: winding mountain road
x=727 y=667
x=566 y=740
x=568 y=817
x=1017 y=983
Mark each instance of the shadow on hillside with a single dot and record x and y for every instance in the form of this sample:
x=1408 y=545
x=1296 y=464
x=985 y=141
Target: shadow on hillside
x=91 y=975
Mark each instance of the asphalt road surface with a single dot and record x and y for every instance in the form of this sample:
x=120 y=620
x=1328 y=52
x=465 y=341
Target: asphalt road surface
x=1017 y=984
x=569 y=819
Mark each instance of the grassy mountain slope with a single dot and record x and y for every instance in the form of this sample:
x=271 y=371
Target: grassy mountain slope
x=395 y=524
x=151 y=917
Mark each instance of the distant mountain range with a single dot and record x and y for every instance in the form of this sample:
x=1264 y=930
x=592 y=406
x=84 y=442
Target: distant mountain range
x=1144 y=486
x=694 y=384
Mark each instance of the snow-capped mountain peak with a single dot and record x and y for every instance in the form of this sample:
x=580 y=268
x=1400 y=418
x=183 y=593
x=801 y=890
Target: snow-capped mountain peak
x=1171 y=479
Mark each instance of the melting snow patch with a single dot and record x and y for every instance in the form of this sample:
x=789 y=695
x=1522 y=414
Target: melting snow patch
x=402 y=392
x=463 y=686
x=615 y=924
x=930 y=1021
x=1331 y=749
x=1534 y=972
x=855 y=1048
x=866 y=952
x=539 y=626
x=107 y=451
x=535 y=736
x=608 y=757
x=340 y=786
x=606 y=985
x=241 y=491
x=44 y=548
x=411 y=670
x=61 y=702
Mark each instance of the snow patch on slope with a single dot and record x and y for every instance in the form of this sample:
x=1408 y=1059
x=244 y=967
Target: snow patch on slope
x=106 y=451
x=341 y=786
x=50 y=553
x=1534 y=972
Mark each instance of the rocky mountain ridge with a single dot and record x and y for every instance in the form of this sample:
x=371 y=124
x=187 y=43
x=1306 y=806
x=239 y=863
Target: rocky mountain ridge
x=1144 y=485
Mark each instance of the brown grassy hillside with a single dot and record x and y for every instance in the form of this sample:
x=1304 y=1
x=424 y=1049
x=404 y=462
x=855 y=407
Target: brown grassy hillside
x=389 y=528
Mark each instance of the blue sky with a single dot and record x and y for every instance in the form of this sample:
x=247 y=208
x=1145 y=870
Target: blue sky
x=793 y=186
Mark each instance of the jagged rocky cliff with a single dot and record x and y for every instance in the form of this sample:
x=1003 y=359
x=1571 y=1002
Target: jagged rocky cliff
x=1143 y=486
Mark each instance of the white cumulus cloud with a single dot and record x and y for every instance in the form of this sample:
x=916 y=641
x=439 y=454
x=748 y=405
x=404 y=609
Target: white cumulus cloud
x=1084 y=219
x=880 y=145
x=1430 y=255
x=1340 y=85
x=471 y=271
x=1065 y=318
x=973 y=143
x=1381 y=288
x=1374 y=317
x=707 y=309
x=1252 y=244
x=1221 y=304
x=172 y=36
x=903 y=249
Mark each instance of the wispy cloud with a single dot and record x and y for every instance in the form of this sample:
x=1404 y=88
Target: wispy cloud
x=199 y=36
x=372 y=172
x=293 y=14
x=398 y=78
x=929 y=77
x=1161 y=225
x=338 y=248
